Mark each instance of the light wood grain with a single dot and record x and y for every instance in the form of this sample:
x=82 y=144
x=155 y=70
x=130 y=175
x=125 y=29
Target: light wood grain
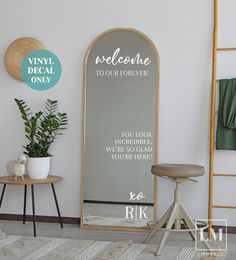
x=225 y=174
x=27 y=181
x=16 y=53
x=227 y=49
x=212 y=122
x=223 y=207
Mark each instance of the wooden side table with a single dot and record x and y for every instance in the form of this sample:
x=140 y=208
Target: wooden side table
x=9 y=180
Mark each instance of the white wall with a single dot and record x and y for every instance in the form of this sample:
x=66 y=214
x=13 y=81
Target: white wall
x=182 y=31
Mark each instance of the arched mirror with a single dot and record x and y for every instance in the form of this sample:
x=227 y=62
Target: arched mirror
x=120 y=124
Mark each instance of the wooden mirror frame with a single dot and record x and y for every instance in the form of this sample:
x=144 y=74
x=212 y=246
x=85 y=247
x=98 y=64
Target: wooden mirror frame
x=152 y=45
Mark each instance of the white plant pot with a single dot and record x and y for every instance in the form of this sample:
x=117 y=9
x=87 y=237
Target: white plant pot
x=38 y=168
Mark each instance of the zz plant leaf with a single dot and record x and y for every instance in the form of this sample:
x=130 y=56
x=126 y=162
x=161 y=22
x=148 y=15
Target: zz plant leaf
x=41 y=128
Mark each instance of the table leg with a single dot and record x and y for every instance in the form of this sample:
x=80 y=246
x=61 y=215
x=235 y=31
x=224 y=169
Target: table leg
x=3 y=191
x=25 y=197
x=58 y=210
x=33 y=208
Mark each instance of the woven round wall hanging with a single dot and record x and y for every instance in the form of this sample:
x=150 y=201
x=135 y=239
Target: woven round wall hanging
x=17 y=51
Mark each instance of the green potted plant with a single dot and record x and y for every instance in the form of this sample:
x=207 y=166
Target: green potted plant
x=41 y=130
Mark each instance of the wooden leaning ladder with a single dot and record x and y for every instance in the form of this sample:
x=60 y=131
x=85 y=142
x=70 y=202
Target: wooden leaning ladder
x=212 y=123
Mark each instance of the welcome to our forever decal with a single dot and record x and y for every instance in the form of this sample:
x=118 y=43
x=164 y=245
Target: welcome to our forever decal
x=118 y=59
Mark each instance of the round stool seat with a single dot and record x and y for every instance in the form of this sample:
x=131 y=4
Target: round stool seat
x=177 y=170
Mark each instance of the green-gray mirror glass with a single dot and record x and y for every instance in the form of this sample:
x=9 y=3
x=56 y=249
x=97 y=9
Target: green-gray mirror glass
x=120 y=131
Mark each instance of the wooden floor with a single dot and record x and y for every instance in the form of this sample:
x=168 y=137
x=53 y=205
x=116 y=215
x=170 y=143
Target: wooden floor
x=179 y=240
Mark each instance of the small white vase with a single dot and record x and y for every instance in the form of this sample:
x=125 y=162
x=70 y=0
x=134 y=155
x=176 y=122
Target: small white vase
x=38 y=167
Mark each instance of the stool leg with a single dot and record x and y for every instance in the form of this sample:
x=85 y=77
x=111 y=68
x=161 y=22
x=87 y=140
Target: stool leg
x=190 y=232
x=166 y=216
x=159 y=225
x=151 y=235
x=57 y=206
x=169 y=225
x=33 y=209
x=190 y=223
x=188 y=220
x=25 y=197
x=3 y=191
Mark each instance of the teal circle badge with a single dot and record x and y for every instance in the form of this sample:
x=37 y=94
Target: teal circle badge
x=41 y=69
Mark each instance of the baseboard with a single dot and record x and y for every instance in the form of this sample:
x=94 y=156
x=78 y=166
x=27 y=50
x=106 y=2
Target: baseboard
x=70 y=220
x=47 y=219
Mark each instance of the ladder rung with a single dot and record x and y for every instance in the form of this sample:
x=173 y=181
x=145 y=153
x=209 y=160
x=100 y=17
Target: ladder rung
x=226 y=49
x=224 y=175
x=223 y=207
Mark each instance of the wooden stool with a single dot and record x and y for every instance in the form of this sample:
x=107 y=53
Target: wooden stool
x=51 y=179
x=176 y=213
